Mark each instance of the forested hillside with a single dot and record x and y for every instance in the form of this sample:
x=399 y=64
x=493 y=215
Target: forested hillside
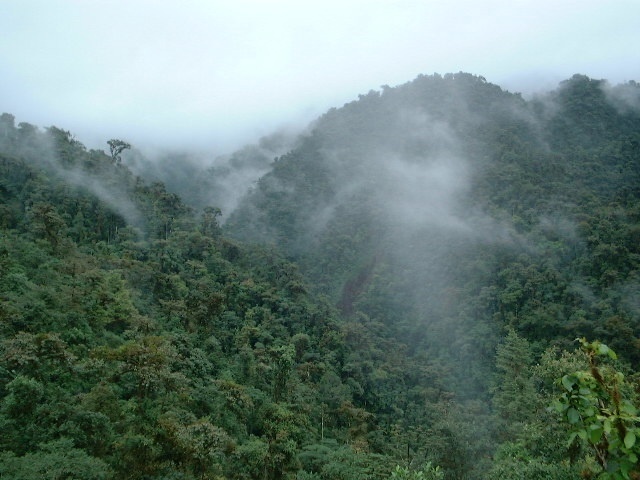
x=397 y=296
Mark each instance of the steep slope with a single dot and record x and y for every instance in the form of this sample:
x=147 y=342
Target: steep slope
x=448 y=235
x=431 y=178
x=440 y=212
x=137 y=342
x=446 y=208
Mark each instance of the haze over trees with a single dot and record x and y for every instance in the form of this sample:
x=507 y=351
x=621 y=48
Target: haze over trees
x=394 y=293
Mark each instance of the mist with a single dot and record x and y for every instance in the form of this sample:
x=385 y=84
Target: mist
x=213 y=76
x=392 y=181
x=402 y=205
x=203 y=179
x=429 y=216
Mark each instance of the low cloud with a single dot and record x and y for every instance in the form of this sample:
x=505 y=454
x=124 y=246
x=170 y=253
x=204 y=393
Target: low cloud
x=625 y=97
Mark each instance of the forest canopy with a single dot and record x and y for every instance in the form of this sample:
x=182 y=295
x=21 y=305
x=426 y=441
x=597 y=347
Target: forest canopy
x=394 y=293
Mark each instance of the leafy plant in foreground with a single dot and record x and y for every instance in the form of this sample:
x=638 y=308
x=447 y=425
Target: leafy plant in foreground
x=594 y=404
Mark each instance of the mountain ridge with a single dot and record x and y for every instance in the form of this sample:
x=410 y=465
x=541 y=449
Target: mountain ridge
x=401 y=286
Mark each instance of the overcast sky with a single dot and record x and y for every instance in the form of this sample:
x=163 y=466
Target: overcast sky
x=217 y=74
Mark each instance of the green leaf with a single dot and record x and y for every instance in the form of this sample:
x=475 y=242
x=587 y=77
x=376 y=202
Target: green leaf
x=629 y=439
x=625 y=468
x=569 y=381
x=572 y=437
x=573 y=416
x=558 y=406
x=628 y=408
x=595 y=433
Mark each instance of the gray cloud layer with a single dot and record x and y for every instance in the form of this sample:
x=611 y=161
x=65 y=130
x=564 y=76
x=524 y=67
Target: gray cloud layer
x=214 y=74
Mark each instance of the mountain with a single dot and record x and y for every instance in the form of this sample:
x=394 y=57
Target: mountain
x=393 y=293
x=419 y=205
x=444 y=210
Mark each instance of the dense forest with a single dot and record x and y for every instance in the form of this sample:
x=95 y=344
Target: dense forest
x=438 y=280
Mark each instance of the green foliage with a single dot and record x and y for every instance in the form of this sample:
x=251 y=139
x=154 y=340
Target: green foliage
x=53 y=461
x=420 y=326
x=330 y=461
x=594 y=403
x=429 y=472
x=515 y=462
x=514 y=394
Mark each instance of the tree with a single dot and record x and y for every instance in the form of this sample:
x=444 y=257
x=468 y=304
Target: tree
x=145 y=365
x=7 y=128
x=429 y=472
x=514 y=394
x=195 y=443
x=47 y=222
x=55 y=460
x=210 y=224
x=283 y=431
x=117 y=147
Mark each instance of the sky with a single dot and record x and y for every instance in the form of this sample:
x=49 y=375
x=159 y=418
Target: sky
x=214 y=75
